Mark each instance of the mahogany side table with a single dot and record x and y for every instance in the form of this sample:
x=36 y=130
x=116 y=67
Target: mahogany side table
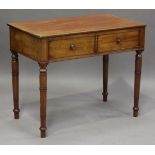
x=47 y=41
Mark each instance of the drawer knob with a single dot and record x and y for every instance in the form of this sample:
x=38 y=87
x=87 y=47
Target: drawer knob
x=72 y=47
x=118 y=41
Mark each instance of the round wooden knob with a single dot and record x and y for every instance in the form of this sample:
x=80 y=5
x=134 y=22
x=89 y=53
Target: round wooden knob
x=118 y=41
x=72 y=47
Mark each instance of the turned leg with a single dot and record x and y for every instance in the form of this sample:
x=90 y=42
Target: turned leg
x=15 y=84
x=43 y=98
x=138 y=67
x=105 y=77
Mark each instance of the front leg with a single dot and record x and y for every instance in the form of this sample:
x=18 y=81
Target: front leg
x=43 y=98
x=138 y=67
x=15 y=84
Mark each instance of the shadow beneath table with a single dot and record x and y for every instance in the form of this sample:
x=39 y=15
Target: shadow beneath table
x=77 y=109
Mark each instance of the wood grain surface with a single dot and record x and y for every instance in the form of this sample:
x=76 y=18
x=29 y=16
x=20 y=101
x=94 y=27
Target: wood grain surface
x=118 y=40
x=71 y=46
x=73 y=25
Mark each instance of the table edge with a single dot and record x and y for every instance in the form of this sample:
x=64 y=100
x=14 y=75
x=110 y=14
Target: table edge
x=75 y=33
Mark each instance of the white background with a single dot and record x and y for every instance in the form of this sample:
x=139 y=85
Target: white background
x=78 y=4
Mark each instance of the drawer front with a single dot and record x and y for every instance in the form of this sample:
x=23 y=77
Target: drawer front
x=67 y=47
x=119 y=40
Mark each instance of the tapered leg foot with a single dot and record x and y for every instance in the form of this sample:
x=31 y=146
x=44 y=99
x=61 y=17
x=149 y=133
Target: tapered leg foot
x=135 y=111
x=138 y=67
x=105 y=97
x=15 y=84
x=105 y=77
x=16 y=113
x=43 y=98
x=43 y=132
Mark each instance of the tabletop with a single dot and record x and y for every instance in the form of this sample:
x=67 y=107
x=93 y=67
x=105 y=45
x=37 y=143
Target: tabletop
x=73 y=25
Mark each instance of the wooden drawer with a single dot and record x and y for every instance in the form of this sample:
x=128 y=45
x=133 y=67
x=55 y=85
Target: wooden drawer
x=66 y=47
x=119 y=40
